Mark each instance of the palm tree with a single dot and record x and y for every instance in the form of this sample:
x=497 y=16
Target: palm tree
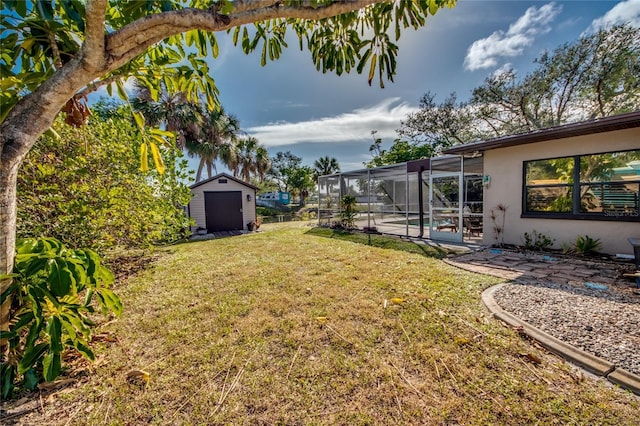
x=216 y=141
x=325 y=166
x=173 y=111
x=251 y=158
x=263 y=162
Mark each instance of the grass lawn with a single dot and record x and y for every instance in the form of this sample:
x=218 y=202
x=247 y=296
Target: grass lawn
x=289 y=326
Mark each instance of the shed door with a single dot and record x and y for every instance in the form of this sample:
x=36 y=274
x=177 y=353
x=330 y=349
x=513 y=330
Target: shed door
x=223 y=211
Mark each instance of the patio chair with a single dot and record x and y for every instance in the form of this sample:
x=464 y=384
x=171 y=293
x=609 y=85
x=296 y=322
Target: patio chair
x=473 y=226
x=446 y=224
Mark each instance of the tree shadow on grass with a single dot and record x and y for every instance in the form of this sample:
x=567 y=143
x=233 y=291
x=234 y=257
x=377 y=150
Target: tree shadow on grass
x=382 y=241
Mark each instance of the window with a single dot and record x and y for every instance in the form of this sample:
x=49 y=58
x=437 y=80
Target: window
x=222 y=180
x=595 y=186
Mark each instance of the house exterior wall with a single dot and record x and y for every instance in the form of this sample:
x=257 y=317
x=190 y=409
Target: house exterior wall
x=505 y=167
x=197 y=208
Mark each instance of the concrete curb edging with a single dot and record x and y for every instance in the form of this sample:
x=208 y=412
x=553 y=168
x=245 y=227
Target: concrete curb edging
x=589 y=362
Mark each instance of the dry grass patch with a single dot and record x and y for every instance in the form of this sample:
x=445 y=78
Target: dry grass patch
x=288 y=327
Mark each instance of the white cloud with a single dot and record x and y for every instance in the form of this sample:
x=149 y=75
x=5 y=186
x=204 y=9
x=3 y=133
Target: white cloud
x=486 y=52
x=627 y=11
x=356 y=125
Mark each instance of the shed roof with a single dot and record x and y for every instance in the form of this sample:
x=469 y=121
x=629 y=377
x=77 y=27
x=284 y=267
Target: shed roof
x=599 y=125
x=223 y=175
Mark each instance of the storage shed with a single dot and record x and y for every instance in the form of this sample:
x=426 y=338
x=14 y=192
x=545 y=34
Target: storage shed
x=222 y=203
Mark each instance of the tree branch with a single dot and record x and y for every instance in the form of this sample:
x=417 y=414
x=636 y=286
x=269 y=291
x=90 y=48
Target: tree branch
x=57 y=61
x=93 y=48
x=101 y=54
x=133 y=39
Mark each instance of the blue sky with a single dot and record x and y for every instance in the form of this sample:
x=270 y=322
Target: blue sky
x=289 y=106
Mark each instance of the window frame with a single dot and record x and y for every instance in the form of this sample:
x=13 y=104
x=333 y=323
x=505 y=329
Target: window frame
x=575 y=186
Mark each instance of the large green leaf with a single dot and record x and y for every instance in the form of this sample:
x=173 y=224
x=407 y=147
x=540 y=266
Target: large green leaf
x=31 y=379
x=7 y=375
x=23 y=320
x=110 y=301
x=75 y=10
x=54 y=330
x=34 y=332
x=144 y=158
x=84 y=350
x=67 y=324
x=51 y=366
x=44 y=9
x=31 y=356
x=157 y=158
x=81 y=324
x=60 y=277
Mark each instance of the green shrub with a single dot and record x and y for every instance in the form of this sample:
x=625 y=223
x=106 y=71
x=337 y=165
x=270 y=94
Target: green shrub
x=87 y=190
x=266 y=211
x=348 y=211
x=586 y=245
x=52 y=293
x=567 y=248
x=537 y=241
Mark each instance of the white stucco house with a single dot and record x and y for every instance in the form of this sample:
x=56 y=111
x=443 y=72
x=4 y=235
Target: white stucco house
x=567 y=181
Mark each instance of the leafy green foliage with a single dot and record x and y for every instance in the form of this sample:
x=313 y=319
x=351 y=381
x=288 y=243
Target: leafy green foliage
x=537 y=241
x=348 y=211
x=301 y=181
x=595 y=76
x=53 y=292
x=87 y=190
x=400 y=152
x=586 y=245
x=41 y=36
x=283 y=166
x=287 y=171
x=438 y=126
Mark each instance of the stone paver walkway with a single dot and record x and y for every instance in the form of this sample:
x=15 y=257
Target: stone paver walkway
x=526 y=267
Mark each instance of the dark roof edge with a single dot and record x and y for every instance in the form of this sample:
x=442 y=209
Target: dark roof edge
x=225 y=175
x=599 y=125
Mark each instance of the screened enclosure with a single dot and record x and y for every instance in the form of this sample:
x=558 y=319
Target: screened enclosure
x=438 y=198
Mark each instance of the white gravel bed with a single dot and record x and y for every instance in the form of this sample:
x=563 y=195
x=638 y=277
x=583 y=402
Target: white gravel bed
x=604 y=323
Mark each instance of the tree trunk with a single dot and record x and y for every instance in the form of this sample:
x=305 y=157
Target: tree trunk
x=199 y=173
x=8 y=179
